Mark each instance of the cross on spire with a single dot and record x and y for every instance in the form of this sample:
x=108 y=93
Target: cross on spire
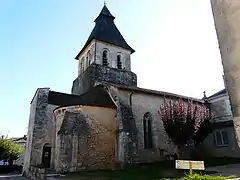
x=104 y=3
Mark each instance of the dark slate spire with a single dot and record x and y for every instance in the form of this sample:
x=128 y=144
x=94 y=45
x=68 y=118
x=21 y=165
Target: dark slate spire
x=105 y=30
x=105 y=12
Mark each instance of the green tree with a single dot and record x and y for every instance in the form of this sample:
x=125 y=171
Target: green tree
x=9 y=150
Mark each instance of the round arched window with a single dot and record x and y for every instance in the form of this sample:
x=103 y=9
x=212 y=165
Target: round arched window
x=119 y=62
x=105 y=58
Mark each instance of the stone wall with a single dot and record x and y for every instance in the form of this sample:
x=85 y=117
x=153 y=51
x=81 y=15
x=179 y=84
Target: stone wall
x=221 y=109
x=30 y=134
x=94 y=55
x=113 y=52
x=230 y=150
x=85 y=138
x=97 y=73
x=226 y=15
x=139 y=103
x=89 y=52
x=41 y=129
x=37 y=173
x=44 y=131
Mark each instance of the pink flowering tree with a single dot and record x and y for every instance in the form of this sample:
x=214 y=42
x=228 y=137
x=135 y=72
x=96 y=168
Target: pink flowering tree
x=185 y=123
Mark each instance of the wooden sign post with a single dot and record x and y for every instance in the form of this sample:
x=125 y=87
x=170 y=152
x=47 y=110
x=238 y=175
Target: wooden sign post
x=191 y=165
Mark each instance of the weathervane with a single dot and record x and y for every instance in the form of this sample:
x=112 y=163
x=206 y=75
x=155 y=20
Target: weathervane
x=104 y=3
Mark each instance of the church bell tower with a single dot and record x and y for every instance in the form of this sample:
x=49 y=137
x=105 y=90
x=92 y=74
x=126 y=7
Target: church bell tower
x=105 y=57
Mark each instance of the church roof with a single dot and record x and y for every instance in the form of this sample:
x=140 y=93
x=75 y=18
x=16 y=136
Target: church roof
x=157 y=93
x=94 y=97
x=105 y=30
x=105 y=12
x=223 y=91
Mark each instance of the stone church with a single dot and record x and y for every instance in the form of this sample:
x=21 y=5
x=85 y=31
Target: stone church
x=107 y=121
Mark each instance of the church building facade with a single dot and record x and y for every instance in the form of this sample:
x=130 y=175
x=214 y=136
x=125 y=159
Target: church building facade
x=107 y=120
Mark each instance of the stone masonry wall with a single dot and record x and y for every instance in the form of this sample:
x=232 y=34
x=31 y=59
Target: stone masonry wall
x=142 y=103
x=27 y=155
x=220 y=110
x=226 y=15
x=94 y=53
x=43 y=133
x=85 y=138
x=41 y=129
x=230 y=150
x=97 y=73
x=113 y=52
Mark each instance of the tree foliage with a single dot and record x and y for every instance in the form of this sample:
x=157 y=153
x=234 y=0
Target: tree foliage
x=185 y=122
x=9 y=150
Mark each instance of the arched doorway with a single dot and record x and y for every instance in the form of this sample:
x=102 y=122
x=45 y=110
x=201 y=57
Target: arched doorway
x=46 y=155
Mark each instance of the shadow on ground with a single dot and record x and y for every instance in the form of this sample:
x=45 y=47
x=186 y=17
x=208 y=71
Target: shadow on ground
x=226 y=170
x=142 y=172
x=11 y=177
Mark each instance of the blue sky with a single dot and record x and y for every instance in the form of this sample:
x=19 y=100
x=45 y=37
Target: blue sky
x=175 y=42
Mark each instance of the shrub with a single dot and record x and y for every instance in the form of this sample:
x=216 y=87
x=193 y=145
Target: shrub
x=202 y=177
x=185 y=122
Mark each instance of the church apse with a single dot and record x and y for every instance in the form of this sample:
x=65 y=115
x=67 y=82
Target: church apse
x=85 y=138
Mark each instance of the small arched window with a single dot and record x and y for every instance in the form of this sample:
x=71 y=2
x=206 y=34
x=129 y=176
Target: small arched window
x=119 y=62
x=80 y=68
x=147 y=128
x=86 y=63
x=82 y=64
x=105 y=58
x=89 y=58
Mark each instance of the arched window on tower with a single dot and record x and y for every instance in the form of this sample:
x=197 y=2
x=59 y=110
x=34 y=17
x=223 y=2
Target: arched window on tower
x=82 y=64
x=105 y=58
x=119 y=62
x=147 y=128
x=86 y=63
x=89 y=58
x=80 y=68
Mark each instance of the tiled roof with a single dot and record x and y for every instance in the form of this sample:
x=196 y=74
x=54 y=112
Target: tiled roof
x=223 y=91
x=94 y=97
x=105 y=30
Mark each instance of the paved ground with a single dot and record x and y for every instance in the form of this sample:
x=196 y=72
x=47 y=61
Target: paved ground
x=11 y=177
x=226 y=170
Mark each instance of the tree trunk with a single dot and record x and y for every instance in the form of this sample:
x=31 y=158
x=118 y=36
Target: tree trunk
x=227 y=22
x=184 y=152
x=10 y=162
